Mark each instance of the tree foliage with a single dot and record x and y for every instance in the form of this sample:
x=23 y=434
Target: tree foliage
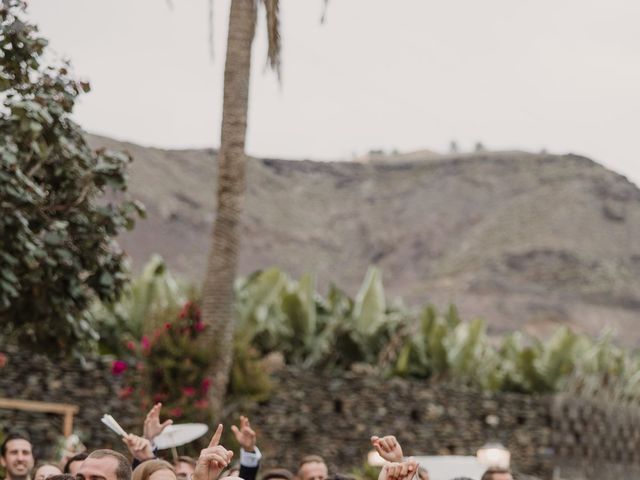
x=57 y=226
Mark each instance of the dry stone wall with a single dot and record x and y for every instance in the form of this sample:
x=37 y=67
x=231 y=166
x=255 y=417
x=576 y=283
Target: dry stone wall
x=334 y=415
x=91 y=386
x=595 y=439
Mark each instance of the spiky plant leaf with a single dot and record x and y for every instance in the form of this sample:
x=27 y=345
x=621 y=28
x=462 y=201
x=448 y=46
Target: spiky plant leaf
x=370 y=304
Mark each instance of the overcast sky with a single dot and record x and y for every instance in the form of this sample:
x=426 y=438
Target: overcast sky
x=563 y=75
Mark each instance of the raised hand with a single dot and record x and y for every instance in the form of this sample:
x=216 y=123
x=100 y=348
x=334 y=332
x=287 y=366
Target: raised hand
x=213 y=459
x=398 y=471
x=152 y=426
x=388 y=448
x=139 y=447
x=245 y=435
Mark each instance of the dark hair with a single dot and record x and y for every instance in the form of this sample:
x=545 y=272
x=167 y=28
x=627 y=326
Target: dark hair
x=78 y=457
x=123 y=470
x=62 y=476
x=13 y=436
x=488 y=475
x=278 y=473
x=310 y=459
x=343 y=476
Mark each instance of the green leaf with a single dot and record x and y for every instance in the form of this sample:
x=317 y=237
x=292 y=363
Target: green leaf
x=370 y=304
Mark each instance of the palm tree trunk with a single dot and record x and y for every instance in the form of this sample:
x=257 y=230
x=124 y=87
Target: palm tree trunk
x=217 y=291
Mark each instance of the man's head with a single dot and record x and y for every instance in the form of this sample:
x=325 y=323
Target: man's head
x=312 y=467
x=277 y=474
x=185 y=466
x=232 y=471
x=497 y=474
x=44 y=471
x=73 y=464
x=16 y=456
x=105 y=465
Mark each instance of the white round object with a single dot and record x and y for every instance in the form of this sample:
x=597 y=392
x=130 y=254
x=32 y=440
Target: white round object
x=447 y=467
x=176 y=435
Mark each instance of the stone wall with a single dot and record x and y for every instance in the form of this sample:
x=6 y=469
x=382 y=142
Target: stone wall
x=91 y=386
x=595 y=439
x=336 y=415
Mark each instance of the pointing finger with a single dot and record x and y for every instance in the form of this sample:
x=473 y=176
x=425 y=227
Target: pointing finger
x=215 y=440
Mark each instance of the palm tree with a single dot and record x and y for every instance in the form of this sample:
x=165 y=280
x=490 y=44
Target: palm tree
x=217 y=291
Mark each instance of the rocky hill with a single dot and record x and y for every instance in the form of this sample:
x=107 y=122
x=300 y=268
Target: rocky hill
x=523 y=240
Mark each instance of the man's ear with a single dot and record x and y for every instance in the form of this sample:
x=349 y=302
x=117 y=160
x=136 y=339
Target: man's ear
x=2 y=461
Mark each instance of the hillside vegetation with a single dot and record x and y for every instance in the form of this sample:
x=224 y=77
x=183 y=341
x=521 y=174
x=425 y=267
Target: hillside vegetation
x=281 y=320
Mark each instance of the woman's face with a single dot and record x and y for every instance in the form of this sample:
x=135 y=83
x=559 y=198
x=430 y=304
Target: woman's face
x=46 y=471
x=164 y=474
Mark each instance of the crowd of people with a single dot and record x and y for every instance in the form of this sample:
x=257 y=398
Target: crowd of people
x=215 y=462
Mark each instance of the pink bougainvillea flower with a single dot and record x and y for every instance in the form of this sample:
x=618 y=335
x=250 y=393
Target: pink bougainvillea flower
x=125 y=392
x=185 y=310
x=131 y=345
x=188 y=391
x=167 y=326
x=176 y=412
x=118 y=367
x=199 y=326
x=202 y=404
x=160 y=397
x=144 y=341
x=205 y=385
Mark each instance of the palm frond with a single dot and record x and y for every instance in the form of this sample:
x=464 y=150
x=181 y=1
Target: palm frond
x=272 y=8
x=325 y=7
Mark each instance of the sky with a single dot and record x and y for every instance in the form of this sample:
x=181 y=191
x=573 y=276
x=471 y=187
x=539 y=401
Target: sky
x=560 y=75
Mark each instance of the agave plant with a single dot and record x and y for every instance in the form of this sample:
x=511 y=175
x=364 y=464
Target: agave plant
x=291 y=317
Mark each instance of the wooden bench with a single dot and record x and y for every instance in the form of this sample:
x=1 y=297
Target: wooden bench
x=65 y=409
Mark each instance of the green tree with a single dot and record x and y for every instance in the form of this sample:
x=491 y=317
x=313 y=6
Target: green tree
x=57 y=226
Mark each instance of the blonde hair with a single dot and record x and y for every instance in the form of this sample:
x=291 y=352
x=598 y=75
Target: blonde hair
x=146 y=469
